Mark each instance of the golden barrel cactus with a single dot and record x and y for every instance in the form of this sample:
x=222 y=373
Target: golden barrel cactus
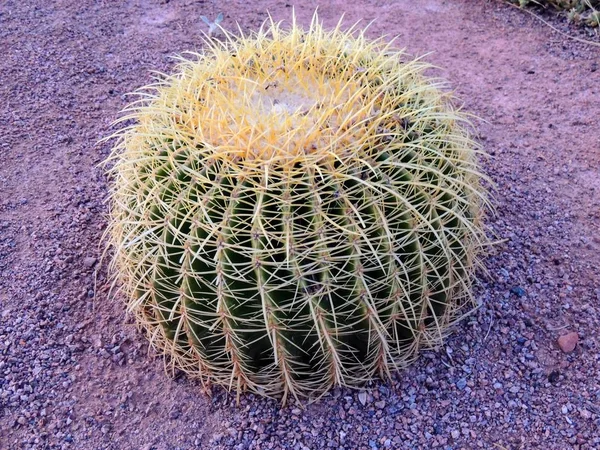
x=294 y=210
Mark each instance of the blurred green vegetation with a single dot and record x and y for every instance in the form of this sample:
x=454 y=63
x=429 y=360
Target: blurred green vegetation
x=585 y=12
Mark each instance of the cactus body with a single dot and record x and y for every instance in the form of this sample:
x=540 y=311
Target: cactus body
x=295 y=210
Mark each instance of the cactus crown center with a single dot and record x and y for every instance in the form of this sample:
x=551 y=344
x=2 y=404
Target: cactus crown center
x=279 y=111
x=297 y=97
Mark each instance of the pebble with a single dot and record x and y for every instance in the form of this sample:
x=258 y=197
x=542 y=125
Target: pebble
x=89 y=262
x=518 y=291
x=461 y=384
x=568 y=342
x=362 y=397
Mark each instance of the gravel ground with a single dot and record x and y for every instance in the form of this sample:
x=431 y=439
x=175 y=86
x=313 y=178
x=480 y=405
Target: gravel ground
x=74 y=373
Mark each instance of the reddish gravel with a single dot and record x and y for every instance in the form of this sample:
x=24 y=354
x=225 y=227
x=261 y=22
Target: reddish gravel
x=74 y=373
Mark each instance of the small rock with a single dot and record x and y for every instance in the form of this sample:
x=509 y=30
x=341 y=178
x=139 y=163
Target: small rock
x=296 y=411
x=362 y=397
x=518 y=291
x=568 y=342
x=380 y=404
x=461 y=384
x=97 y=340
x=89 y=262
x=455 y=434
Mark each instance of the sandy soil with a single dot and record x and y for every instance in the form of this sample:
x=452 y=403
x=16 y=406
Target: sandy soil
x=74 y=373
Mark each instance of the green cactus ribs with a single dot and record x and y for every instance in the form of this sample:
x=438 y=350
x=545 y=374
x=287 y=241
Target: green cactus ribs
x=295 y=210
